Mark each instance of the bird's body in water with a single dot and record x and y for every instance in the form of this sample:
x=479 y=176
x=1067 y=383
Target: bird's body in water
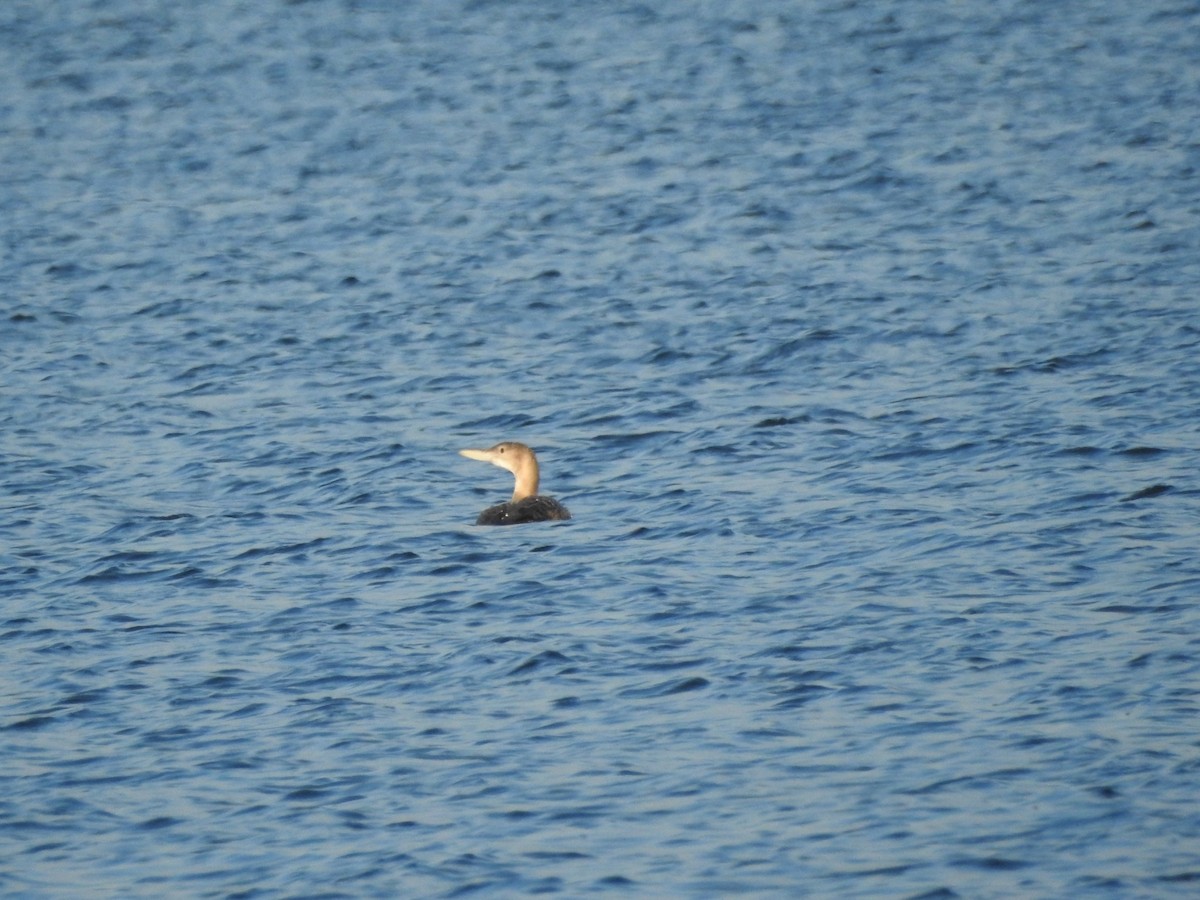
x=526 y=505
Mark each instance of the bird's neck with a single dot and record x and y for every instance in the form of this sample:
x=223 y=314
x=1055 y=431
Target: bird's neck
x=527 y=480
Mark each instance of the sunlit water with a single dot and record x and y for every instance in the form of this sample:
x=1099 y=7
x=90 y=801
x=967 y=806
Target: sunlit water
x=862 y=341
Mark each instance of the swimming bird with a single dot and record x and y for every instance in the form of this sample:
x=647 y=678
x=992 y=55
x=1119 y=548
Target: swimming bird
x=526 y=505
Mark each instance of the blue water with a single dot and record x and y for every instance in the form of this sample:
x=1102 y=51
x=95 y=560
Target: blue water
x=862 y=341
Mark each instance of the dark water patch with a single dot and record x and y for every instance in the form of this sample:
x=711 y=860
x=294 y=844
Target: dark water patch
x=962 y=448
x=635 y=439
x=778 y=421
x=1054 y=364
x=1185 y=877
x=551 y=855
x=1155 y=490
x=667 y=688
x=1139 y=609
x=799 y=695
x=223 y=680
x=248 y=711
x=122 y=574
x=296 y=550
x=491 y=426
x=615 y=881
x=307 y=794
x=158 y=627
x=157 y=823
x=990 y=863
x=666 y=665
x=665 y=356
x=29 y=724
x=85 y=698
x=1082 y=501
x=1142 y=452
x=538 y=661
x=981 y=781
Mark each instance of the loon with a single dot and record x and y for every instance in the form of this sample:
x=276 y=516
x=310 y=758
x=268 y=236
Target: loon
x=526 y=505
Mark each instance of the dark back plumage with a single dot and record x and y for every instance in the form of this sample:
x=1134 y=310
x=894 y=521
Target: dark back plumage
x=531 y=509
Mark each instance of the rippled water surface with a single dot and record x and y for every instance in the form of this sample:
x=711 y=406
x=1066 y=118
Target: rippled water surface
x=862 y=340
